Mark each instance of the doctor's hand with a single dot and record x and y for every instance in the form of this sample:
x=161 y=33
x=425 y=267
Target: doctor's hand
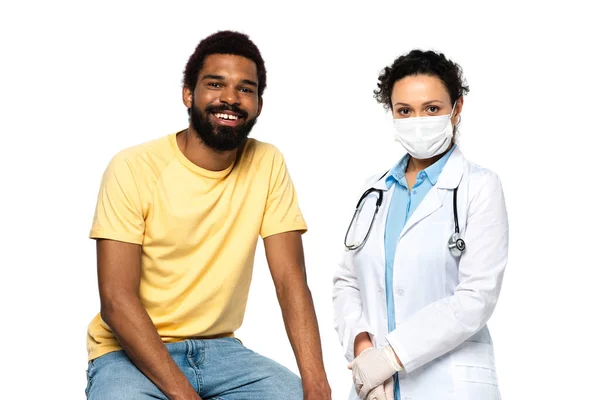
x=383 y=392
x=372 y=368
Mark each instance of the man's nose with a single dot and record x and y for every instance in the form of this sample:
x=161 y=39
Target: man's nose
x=230 y=96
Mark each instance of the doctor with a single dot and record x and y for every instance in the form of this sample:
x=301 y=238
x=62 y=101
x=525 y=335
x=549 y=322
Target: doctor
x=425 y=251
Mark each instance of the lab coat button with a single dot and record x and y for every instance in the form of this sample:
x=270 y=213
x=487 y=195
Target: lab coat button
x=401 y=292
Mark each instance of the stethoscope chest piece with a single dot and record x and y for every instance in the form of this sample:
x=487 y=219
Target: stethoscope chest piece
x=456 y=244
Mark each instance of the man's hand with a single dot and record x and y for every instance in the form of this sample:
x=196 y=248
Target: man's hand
x=383 y=392
x=372 y=368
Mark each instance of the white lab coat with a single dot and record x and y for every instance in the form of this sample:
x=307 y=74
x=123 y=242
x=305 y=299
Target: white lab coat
x=442 y=302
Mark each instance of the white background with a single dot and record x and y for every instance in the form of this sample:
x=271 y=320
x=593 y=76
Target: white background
x=80 y=81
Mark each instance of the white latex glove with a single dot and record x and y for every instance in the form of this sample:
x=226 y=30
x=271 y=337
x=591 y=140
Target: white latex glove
x=373 y=367
x=383 y=392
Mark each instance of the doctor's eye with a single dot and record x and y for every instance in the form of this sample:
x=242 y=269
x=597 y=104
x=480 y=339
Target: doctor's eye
x=403 y=111
x=433 y=109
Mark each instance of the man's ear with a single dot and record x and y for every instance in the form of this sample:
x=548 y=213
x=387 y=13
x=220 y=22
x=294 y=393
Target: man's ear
x=260 y=104
x=187 y=95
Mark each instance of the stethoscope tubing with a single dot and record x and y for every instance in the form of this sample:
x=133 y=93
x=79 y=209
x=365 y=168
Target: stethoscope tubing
x=456 y=244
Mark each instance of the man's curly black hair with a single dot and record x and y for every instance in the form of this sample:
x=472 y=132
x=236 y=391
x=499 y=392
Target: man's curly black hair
x=224 y=42
x=419 y=62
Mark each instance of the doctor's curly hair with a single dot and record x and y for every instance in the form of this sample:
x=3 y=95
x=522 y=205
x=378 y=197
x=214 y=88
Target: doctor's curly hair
x=224 y=42
x=419 y=62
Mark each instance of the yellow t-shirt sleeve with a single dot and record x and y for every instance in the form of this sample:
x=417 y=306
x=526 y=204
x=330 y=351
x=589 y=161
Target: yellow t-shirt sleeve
x=282 y=213
x=119 y=213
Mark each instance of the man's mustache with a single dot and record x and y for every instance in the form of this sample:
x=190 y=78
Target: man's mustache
x=226 y=107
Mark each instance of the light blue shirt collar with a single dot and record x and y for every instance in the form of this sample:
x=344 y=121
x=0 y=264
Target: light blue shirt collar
x=432 y=172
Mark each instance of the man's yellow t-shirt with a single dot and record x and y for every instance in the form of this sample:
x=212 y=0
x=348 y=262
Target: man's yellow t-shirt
x=198 y=230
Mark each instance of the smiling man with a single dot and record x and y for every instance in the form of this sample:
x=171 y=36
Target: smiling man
x=176 y=224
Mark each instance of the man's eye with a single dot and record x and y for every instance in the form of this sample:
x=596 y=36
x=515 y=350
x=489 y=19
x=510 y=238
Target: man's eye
x=215 y=84
x=247 y=90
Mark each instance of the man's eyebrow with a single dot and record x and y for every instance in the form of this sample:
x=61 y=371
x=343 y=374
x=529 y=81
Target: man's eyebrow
x=217 y=77
x=222 y=78
x=249 y=82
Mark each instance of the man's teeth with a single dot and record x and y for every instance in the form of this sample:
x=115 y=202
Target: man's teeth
x=226 y=116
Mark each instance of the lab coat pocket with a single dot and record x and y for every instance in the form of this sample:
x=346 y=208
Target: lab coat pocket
x=474 y=363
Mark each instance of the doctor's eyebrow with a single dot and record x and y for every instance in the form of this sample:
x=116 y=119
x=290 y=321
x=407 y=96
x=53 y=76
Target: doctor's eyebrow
x=431 y=102
x=424 y=104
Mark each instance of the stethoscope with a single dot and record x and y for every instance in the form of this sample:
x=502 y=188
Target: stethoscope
x=456 y=244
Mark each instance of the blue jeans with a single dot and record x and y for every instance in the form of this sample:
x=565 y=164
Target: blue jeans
x=218 y=369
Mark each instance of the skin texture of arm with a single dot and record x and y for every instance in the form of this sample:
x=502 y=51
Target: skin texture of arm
x=361 y=343
x=285 y=257
x=118 y=282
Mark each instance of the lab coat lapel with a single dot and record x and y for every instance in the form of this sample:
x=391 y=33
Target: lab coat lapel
x=449 y=179
x=430 y=203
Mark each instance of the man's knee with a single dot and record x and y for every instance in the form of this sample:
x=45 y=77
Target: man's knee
x=286 y=384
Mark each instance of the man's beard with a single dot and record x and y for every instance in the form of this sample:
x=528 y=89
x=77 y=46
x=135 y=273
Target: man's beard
x=220 y=138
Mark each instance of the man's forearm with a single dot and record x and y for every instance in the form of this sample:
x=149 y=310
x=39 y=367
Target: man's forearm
x=286 y=261
x=302 y=329
x=136 y=333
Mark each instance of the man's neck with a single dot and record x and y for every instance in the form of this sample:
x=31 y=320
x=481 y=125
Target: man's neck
x=203 y=156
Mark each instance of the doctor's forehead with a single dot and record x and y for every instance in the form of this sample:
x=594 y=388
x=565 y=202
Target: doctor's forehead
x=419 y=89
